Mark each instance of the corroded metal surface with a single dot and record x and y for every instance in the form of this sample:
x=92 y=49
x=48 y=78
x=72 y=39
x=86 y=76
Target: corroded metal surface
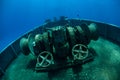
x=105 y=65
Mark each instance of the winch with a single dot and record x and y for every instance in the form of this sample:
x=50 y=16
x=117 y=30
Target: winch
x=60 y=46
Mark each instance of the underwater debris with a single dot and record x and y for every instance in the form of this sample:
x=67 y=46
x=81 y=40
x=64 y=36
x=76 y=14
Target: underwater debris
x=60 y=46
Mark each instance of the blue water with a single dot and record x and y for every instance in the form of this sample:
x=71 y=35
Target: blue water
x=20 y=16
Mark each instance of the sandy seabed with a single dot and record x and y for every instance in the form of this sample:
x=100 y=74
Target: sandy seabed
x=105 y=66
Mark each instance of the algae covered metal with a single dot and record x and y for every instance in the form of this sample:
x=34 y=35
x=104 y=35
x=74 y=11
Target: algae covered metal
x=60 y=47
